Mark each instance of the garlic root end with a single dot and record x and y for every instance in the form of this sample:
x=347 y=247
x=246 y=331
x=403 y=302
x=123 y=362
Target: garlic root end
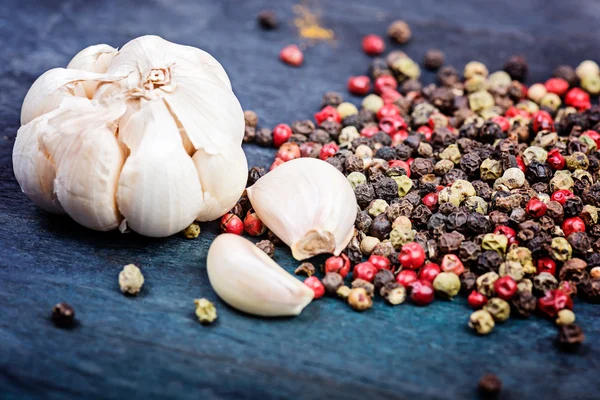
x=313 y=243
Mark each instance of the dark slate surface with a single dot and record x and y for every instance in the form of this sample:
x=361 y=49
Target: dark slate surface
x=152 y=346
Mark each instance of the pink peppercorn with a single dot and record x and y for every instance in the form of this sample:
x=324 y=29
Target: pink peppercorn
x=508 y=232
x=328 y=150
x=359 y=85
x=281 y=134
x=384 y=82
x=339 y=264
x=503 y=122
x=429 y=271
x=555 y=159
x=542 y=120
x=421 y=292
x=402 y=164
x=315 y=284
x=425 y=131
x=328 y=113
x=505 y=287
x=557 y=85
x=546 y=264
x=365 y=271
x=276 y=163
x=253 y=225
x=373 y=45
x=398 y=137
x=389 y=95
x=430 y=200
x=595 y=136
x=554 y=301
x=369 y=131
x=451 y=263
x=514 y=112
x=577 y=98
x=288 y=151
x=412 y=255
x=231 y=223
x=536 y=208
x=406 y=277
x=574 y=224
x=291 y=55
x=562 y=196
x=477 y=300
x=380 y=262
x=388 y=110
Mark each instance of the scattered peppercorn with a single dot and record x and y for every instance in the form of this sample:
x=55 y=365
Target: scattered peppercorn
x=489 y=386
x=267 y=19
x=434 y=59
x=399 y=31
x=63 y=315
x=305 y=268
x=192 y=231
x=205 y=311
x=267 y=246
x=131 y=280
x=570 y=337
x=359 y=300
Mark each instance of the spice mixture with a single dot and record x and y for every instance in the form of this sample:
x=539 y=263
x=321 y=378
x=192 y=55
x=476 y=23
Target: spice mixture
x=477 y=185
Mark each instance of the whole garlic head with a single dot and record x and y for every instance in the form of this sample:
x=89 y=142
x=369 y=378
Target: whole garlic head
x=157 y=146
x=308 y=204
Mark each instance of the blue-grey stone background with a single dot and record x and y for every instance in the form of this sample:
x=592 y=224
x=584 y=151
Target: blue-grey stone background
x=152 y=346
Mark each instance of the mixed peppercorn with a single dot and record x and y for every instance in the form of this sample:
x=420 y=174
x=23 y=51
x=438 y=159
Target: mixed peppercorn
x=479 y=186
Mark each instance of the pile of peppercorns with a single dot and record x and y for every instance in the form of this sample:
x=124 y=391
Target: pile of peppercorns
x=477 y=185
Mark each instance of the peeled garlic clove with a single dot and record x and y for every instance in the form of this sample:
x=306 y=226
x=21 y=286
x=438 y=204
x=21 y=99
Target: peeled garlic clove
x=89 y=160
x=308 y=204
x=95 y=58
x=223 y=179
x=35 y=170
x=247 y=279
x=159 y=189
x=51 y=88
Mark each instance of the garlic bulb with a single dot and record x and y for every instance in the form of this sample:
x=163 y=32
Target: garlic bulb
x=148 y=137
x=308 y=204
x=247 y=279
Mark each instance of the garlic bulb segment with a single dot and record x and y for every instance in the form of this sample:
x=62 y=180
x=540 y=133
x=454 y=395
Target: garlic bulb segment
x=223 y=178
x=247 y=279
x=95 y=58
x=88 y=161
x=194 y=85
x=34 y=169
x=308 y=204
x=159 y=190
x=52 y=87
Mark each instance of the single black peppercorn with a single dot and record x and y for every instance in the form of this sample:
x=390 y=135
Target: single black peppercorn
x=364 y=194
x=437 y=224
x=488 y=261
x=477 y=223
x=448 y=75
x=457 y=221
x=434 y=59
x=573 y=207
x=382 y=278
x=468 y=282
x=469 y=252
x=490 y=386
x=255 y=174
x=523 y=303
x=381 y=227
x=383 y=138
x=517 y=68
x=538 y=172
x=421 y=215
x=386 y=153
x=267 y=246
x=267 y=19
x=449 y=242
x=332 y=127
x=303 y=127
x=332 y=282
x=385 y=188
x=333 y=99
x=570 y=337
x=491 y=131
x=470 y=163
x=567 y=73
x=63 y=315
x=263 y=137
x=590 y=291
x=454 y=175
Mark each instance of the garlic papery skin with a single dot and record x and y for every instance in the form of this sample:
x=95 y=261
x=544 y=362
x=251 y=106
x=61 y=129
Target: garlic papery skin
x=247 y=279
x=223 y=178
x=95 y=58
x=308 y=204
x=52 y=87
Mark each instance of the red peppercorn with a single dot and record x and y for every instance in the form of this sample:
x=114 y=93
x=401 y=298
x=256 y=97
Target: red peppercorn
x=477 y=300
x=388 y=110
x=542 y=120
x=536 y=208
x=291 y=55
x=562 y=196
x=557 y=85
x=365 y=271
x=281 y=134
x=339 y=264
x=406 y=277
x=398 y=137
x=380 y=262
x=373 y=45
x=514 y=111
x=546 y=264
x=574 y=224
x=521 y=164
x=253 y=225
x=425 y=131
x=554 y=301
x=567 y=288
x=389 y=95
x=421 y=292
x=391 y=125
x=577 y=98
x=503 y=122
x=359 y=85
x=508 y=232
x=402 y=164
x=505 y=287
x=451 y=263
x=412 y=255
x=555 y=159
x=328 y=150
x=595 y=136
x=315 y=284
x=276 y=163
x=430 y=200
x=289 y=151
x=429 y=271
x=369 y=131
x=328 y=113
x=384 y=82
x=231 y=223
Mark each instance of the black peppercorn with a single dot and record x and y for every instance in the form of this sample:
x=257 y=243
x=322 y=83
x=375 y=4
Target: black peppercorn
x=570 y=337
x=382 y=278
x=263 y=137
x=421 y=215
x=447 y=208
x=468 y=282
x=337 y=162
x=333 y=99
x=491 y=131
x=449 y=242
x=567 y=73
x=249 y=134
x=437 y=224
x=303 y=127
x=332 y=127
x=383 y=138
x=498 y=218
x=353 y=251
x=469 y=252
x=580 y=242
x=470 y=163
x=364 y=194
x=573 y=207
x=380 y=227
x=516 y=67
x=490 y=386
x=454 y=175
x=590 y=291
x=538 y=172
x=434 y=59
x=332 y=282
x=255 y=174
x=477 y=223
x=523 y=303
x=457 y=221
x=386 y=153
x=488 y=261
x=448 y=75
x=267 y=246
x=267 y=19
x=63 y=315
x=385 y=188
x=363 y=221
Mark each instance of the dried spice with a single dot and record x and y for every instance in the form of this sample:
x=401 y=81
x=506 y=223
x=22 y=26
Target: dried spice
x=63 y=315
x=489 y=386
x=267 y=246
x=205 y=311
x=305 y=268
x=131 y=280
x=359 y=299
x=570 y=337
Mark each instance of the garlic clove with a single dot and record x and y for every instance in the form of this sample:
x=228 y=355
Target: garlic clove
x=88 y=160
x=308 y=204
x=95 y=58
x=35 y=170
x=247 y=279
x=159 y=190
x=223 y=178
x=52 y=87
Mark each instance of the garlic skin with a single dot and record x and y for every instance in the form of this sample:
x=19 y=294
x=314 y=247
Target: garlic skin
x=249 y=280
x=95 y=58
x=308 y=204
x=146 y=138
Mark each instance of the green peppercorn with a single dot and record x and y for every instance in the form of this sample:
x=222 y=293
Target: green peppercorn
x=464 y=188
x=205 y=311
x=551 y=101
x=400 y=235
x=451 y=153
x=448 y=195
x=589 y=214
x=490 y=169
x=475 y=68
x=534 y=153
x=560 y=249
x=346 y=109
x=543 y=282
x=367 y=244
x=589 y=142
x=377 y=207
x=485 y=283
x=192 y=231
x=529 y=105
x=491 y=112
x=343 y=292
x=442 y=167
x=446 y=285
x=561 y=180
x=513 y=178
x=591 y=84
x=482 y=322
x=476 y=204
x=545 y=139
x=587 y=68
x=404 y=184
x=499 y=309
x=356 y=178
x=347 y=135
x=480 y=100
x=514 y=269
x=494 y=242
x=577 y=160
x=406 y=69
x=499 y=81
x=523 y=256
x=393 y=293
x=475 y=84
x=525 y=285
x=565 y=317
